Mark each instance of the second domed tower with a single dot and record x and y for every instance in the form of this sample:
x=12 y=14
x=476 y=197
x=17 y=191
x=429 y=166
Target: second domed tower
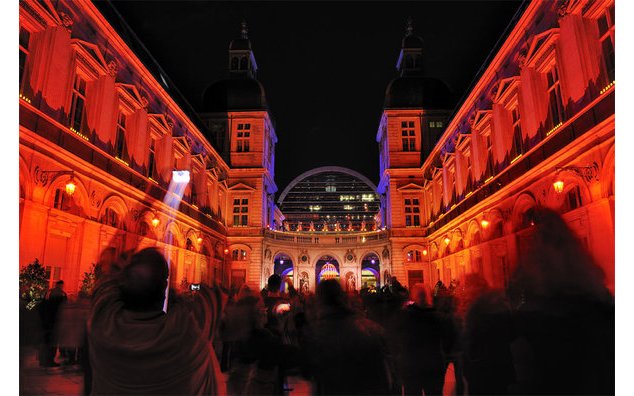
x=415 y=112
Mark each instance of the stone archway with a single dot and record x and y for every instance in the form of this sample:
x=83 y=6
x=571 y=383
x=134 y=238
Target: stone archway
x=327 y=267
x=284 y=267
x=371 y=271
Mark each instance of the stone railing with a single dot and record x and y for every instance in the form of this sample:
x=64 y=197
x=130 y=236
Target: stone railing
x=327 y=238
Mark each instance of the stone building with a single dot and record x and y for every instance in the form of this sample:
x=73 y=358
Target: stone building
x=457 y=188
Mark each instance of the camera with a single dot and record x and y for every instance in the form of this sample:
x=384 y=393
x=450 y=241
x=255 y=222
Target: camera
x=194 y=286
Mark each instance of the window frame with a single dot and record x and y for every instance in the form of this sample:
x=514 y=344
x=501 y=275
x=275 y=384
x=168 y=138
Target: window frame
x=408 y=136
x=77 y=96
x=23 y=50
x=411 y=211
x=240 y=211
x=243 y=137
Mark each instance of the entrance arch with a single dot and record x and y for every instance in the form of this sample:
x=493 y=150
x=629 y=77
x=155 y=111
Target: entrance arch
x=283 y=266
x=327 y=267
x=371 y=271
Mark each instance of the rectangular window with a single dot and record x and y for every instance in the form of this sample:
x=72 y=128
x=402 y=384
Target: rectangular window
x=489 y=164
x=517 y=147
x=121 y=150
x=25 y=37
x=573 y=199
x=408 y=136
x=606 y=34
x=469 y=182
x=77 y=113
x=240 y=212
x=151 y=162
x=555 y=104
x=243 y=138
x=412 y=212
x=61 y=200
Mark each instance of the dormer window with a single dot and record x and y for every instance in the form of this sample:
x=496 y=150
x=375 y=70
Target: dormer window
x=25 y=37
x=555 y=104
x=121 y=149
x=606 y=37
x=77 y=120
x=517 y=146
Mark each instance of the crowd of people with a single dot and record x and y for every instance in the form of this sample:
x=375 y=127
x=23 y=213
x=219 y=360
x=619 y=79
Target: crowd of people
x=551 y=331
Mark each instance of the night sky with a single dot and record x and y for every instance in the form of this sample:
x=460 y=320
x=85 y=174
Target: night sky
x=324 y=65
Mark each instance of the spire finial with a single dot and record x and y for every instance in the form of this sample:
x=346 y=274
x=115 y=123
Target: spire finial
x=244 y=30
x=409 y=30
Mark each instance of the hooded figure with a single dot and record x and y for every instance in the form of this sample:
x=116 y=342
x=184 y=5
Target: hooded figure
x=135 y=347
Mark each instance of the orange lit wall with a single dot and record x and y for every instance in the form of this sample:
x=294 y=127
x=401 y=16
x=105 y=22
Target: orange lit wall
x=500 y=153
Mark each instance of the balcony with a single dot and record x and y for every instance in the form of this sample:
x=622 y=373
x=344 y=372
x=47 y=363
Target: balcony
x=327 y=238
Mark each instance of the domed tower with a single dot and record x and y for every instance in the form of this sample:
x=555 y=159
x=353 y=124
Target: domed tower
x=240 y=127
x=415 y=113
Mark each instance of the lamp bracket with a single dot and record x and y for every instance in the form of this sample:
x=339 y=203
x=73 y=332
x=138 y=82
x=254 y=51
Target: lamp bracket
x=43 y=176
x=587 y=173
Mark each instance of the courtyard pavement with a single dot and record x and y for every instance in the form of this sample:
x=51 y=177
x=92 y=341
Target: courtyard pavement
x=36 y=380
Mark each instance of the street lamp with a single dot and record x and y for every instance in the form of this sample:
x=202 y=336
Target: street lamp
x=42 y=176
x=588 y=173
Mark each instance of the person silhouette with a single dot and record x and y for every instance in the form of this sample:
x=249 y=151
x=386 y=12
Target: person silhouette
x=136 y=347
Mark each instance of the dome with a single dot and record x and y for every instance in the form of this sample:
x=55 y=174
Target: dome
x=240 y=44
x=240 y=93
x=412 y=41
x=416 y=91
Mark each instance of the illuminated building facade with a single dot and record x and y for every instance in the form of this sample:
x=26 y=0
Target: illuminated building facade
x=457 y=186
x=535 y=130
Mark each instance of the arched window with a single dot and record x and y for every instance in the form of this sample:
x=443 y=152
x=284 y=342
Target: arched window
x=476 y=238
x=144 y=229
x=61 y=200
x=239 y=255
x=572 y=199
x=414 y=256
x=528 y=218
x=110 y=217
x=409 y=62
x=189 y=245
x=234 y=63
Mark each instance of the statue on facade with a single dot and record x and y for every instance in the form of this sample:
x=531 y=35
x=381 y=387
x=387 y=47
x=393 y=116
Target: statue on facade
x=303 y=283
x=311 y=227
x=352 y=282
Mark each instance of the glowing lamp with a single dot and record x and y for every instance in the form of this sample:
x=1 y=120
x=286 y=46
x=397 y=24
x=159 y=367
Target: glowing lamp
x=558 y=186
x=424 y=252
x=155 y=221
x=373 y=261
x=362 y=239
x=70 y=186
x=484 y=223
x=447 y=240
x=226 y=251
x=281 y=261
x=199 y=239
